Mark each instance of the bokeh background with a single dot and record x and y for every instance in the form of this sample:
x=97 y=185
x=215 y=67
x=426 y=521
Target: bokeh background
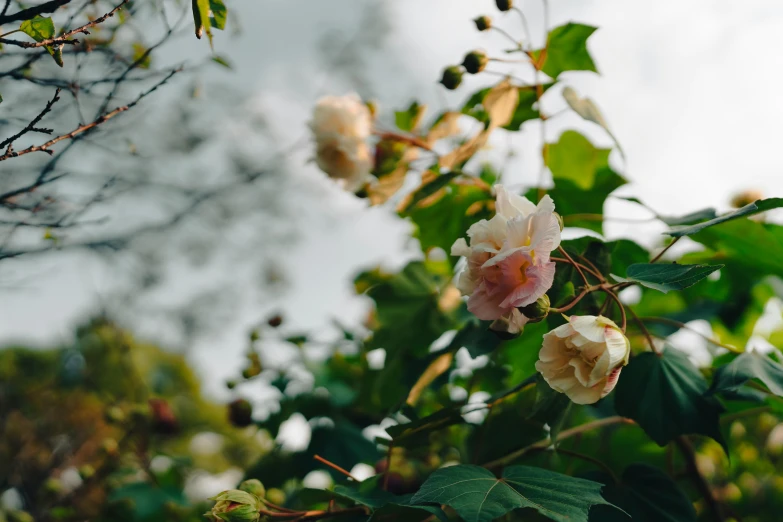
x=690 y=90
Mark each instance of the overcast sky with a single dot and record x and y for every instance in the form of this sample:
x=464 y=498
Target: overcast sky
x=691 y=90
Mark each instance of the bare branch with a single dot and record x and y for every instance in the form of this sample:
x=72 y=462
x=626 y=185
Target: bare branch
x=63 y=38
x=32 y=12
x=81 y=129
x=31 y=126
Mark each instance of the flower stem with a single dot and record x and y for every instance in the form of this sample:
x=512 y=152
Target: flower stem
x=335 y=467
x=574 y=263
x=545 y=443
x=667 y=247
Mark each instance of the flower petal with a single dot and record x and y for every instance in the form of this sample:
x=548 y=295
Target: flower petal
x=510 y=205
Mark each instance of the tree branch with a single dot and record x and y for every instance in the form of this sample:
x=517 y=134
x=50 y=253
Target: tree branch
x=86 y=127
x=32 y=12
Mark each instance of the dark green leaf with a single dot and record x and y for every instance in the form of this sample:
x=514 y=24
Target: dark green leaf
x=668 y=397
x=761 y=205
x=219 y=12
x=566 y=50
x=667 y=276
x=551 y=407
x=476 y=337
x=646 y=494
x=478 y=496
x=412 y=433
x=407 y=311
x=749 y=365
x=753 y=246
x=574 y=158
x=693 y=217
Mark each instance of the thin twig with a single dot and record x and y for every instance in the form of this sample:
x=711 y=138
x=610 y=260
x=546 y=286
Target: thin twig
x=698 y=479
x=644 y=330
x=586 y=458
x=662 y=252
x=545 y=443
x=619 y=303
x=31 y=126
x=681 y=325
x=335 y=467
x=576 y=265
x=84 y=128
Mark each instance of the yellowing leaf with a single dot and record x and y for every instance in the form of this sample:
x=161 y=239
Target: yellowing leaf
x=500 y=103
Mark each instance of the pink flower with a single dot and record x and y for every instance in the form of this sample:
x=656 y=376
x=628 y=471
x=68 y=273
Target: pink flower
x=583 y=358
x=508 y=262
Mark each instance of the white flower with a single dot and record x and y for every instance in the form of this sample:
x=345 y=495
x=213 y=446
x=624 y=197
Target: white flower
x=508 y=257
x=341 y=126
x=583 y=357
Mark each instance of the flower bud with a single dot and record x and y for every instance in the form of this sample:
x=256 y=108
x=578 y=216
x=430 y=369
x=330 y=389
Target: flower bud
x=231 y=384
x=86 y=472
x=475 y=62
x=254 y=336
x=509 y=326
x=536 y=312
x=254 y=487
x=452 y=77
x=275 y=321
x=163 y=418
x=110 y=447
x=483 y=23
x=236 y=506
x=114 y=415
x=746 y=197
x=276 y=496
x=504 y=5
x=240 y=413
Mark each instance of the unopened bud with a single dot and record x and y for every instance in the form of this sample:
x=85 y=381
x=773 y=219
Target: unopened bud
x=254 y=487
x=559 y=221
x=452 y=77
x=254 y=336
x=475 y=62
x=86 y=472
x=536 y=312
x=276 y=496
x=115 y=415
x=163 y=418
x=483 y=23
x=509 y=326
x=236 y=506
x=275 y=321
x=231 y=384
x=504 y=5
x=240 y=413
x=746 y=197
x=110 y=447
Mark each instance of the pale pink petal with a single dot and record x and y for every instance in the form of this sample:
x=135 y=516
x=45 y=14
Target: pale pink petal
x=510 y=205
x=544 y=233
x=582 y=371
x=460 y=248
x=562 y=331
x=552 y=349
x=582 y=395
x=611 y=381
x=485 y=304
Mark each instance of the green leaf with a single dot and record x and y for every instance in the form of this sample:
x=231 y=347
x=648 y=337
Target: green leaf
x=440 y=221
x=39 y=28
x=749 y=365
x=573 y=202
x=201 y=19
x=574 y=158
x=418 y=431
x=566 y=50
x=409 y=119
x=407 y=311
x=476 y=337
x=219 y=12
x=222 y=61
x=646 y=494
x=551 y=407
x=755 y=247
x=668 y=397
x=478 y=496
x=761 y=205
x=665 y=277
x=687 y=219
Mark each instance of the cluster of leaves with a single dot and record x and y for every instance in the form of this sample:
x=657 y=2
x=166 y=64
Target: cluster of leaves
x=516 y=449
x=80 y=425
